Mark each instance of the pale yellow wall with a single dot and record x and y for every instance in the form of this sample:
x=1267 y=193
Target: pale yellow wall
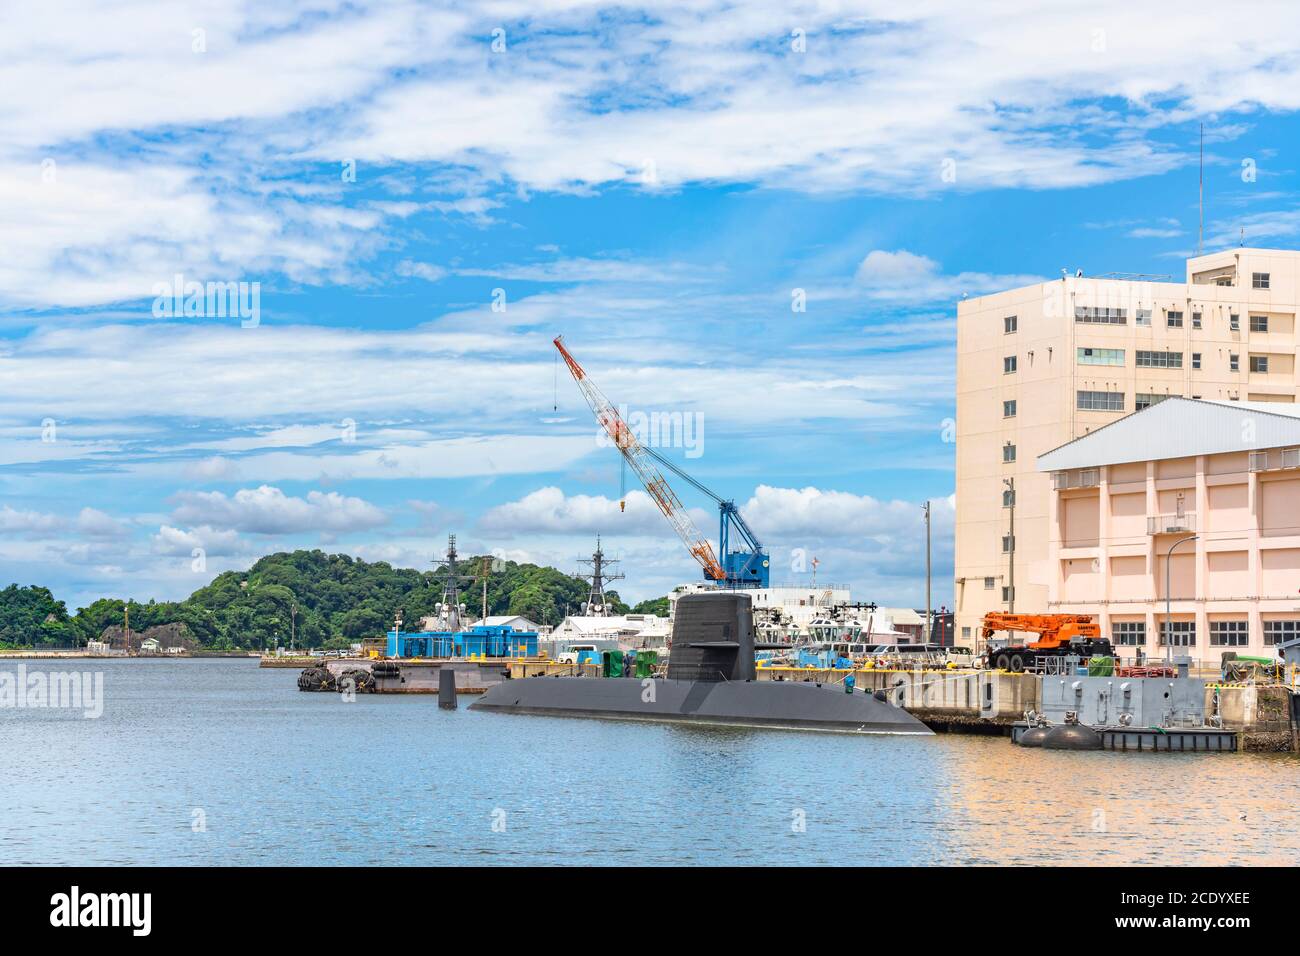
x=1045 y=386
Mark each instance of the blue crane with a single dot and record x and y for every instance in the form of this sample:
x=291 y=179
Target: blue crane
x=748 y=565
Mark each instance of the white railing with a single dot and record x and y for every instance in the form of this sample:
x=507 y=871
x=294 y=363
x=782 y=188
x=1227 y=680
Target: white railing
x=1076 y=478
x=1171 y=524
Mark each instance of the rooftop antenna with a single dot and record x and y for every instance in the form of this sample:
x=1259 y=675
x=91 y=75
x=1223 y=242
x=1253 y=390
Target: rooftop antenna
x=1200 y=202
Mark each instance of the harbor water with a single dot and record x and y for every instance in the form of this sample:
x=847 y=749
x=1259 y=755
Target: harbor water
x=223 y=762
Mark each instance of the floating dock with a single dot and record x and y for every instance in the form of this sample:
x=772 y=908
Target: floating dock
x=1260 y=718
x=1156 y=739
x=415 y=676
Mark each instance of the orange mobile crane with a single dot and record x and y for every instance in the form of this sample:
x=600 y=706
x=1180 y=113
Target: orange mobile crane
x=1059 y=635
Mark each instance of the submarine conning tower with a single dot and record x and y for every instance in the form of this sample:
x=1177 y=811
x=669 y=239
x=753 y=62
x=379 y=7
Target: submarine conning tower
x=713 y=637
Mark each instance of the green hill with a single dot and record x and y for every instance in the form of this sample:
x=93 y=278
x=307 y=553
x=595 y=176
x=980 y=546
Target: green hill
x=339 y=599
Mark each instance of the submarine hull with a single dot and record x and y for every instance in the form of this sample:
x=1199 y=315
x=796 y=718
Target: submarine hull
x=787 y=705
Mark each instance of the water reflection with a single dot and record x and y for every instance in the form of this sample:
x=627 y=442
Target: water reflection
x=286 y=777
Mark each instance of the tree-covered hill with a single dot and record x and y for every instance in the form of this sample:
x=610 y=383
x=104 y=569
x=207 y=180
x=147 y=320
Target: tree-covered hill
x=338 y=599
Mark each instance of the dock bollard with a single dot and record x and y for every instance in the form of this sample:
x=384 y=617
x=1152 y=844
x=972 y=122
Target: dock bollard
x=446 y=688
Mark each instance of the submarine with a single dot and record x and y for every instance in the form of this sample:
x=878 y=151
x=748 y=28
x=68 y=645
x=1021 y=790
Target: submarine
x=711 y=680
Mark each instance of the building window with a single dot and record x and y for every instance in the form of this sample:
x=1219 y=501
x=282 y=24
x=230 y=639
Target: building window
x=1009 y=325
x=1009 y=408
x=1229 y=633
x=965 y=633
x=1142 y=317
x=1276 y=632
x=1183 y=633
x=1100 y=356
x=989 y=583
x=1196 y=360
x=1008 y=364
x=1128 y=633
x=1234 y=362
x=1259 y=323
x=1153 y=359
x=1234 y=322
x=1259 y=363
x=1259 y=280
x=1223 y=280
x=1008 y=544
x=1100 y=315
x=1008 y=452
x=1174 y=320
x=1196 y=320
x=1100 y=401
x=1008 y=497
x=1008 y=594
x=1146 y=399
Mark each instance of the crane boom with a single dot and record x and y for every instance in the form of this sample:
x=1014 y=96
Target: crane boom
x=642 y=462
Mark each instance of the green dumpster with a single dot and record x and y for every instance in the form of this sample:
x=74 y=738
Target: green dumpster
x=611 y=664
x=645 y=662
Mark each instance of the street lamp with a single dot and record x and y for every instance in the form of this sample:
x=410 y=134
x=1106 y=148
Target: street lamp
x=1169 y=560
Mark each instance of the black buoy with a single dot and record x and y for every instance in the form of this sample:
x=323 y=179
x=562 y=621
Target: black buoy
x=447 y=688
x=1071 y=737
x=1033 y=737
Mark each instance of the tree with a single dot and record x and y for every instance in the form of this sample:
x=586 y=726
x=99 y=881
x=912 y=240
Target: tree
x=339 y=598
x=31 y=616
x=654 y=606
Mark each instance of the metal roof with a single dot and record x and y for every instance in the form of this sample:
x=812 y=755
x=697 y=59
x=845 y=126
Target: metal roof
x=1180 y=428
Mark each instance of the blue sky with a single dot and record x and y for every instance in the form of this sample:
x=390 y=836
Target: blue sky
x=654 y=184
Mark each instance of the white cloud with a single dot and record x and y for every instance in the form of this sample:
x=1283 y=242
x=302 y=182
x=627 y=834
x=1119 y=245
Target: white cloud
x=877 y=546
x=96 y=524
x=268 y=510
x=16 y=521
x=100 y=233
x=550 y=511
x=883 y=98
x=215 y=468
x=181 y=543
x=906 y=277
x=795 y=512
x=421 y=270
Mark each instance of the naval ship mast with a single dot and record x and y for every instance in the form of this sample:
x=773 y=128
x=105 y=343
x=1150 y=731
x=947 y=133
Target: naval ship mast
x=596 y=605
x=450 y=609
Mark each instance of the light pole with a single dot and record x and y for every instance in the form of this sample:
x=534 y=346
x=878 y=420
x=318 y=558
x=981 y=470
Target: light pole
x=1169 y=560
x=929 y=621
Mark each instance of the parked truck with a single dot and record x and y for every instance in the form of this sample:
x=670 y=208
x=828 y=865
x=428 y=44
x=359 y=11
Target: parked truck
x=1059 y=635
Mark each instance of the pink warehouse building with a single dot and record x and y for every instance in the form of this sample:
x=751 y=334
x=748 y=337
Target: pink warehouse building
x=1215 y=483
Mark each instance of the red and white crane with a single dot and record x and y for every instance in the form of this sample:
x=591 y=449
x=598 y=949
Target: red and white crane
x=642 y=461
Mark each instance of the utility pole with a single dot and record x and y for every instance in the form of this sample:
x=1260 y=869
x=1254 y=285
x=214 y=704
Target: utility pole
x=929 y=616
x=293 y=623
x=1200 y=199
x=1011 y=548
x=126 y=625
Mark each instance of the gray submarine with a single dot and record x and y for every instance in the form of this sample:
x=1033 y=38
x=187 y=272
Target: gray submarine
x=711 y=680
